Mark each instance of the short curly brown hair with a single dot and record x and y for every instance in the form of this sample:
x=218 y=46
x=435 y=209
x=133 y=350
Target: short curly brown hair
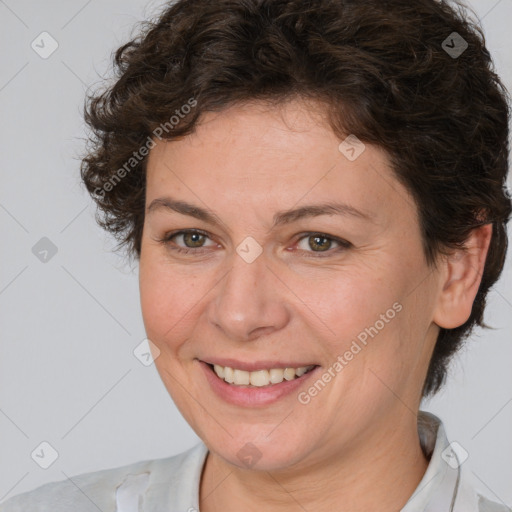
x=413 y=78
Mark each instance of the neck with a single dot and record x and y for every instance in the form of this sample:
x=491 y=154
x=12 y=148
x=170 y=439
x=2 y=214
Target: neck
x=378 y=472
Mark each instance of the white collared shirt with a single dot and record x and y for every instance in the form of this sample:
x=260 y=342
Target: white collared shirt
x=172 y=484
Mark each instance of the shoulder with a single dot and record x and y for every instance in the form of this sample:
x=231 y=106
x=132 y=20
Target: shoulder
x=469 y=499
x=97 y=490
x=486 y=505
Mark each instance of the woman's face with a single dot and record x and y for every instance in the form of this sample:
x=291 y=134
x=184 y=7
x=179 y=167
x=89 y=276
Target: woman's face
x=263 y=288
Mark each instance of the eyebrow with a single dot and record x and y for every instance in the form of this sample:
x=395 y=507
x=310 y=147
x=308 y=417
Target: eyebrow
x=280 y=218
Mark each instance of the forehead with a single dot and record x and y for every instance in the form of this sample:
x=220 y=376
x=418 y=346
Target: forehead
x=255 y=155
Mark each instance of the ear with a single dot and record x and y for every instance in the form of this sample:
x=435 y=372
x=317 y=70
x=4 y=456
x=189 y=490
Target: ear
x=461 y=276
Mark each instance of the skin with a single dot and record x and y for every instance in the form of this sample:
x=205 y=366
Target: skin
x=355 y=445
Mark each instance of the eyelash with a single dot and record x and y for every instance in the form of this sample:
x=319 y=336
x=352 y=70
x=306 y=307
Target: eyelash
x=167 y=241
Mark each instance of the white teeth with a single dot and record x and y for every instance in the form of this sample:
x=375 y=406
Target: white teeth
x=219 y=370
x=276 y=375
x=259 y=378
x=241 y=378
x=289 y=373
x=301 y=371
x=229 y=375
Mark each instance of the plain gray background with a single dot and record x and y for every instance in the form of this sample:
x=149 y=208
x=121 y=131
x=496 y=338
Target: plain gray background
x=69 y=325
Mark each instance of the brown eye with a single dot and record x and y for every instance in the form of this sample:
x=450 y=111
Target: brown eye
x=322 y=243
x=187 y=241
x=193 y=240
x=319 y=243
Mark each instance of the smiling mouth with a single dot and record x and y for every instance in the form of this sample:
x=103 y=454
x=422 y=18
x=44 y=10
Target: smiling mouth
x=259 y=378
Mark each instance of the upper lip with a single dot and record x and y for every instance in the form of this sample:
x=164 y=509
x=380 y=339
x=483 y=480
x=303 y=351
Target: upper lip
x=255 y=365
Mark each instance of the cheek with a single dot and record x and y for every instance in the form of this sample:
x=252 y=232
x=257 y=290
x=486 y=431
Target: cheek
x=167 y=298
x=362 y=317
x=345 y=302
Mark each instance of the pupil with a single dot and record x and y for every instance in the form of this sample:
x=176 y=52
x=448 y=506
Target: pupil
x=317 y=243
x=196 y=239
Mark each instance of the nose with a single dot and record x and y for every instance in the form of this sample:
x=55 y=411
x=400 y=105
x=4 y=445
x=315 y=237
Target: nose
x=249 y=302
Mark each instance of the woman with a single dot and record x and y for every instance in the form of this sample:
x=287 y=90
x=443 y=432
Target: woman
x=315 y=194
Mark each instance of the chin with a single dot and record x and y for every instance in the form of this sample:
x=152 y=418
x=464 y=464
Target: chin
x=261 y=451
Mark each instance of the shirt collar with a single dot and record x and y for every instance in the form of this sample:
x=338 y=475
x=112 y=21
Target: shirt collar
x=437 y=490
x=441 y=489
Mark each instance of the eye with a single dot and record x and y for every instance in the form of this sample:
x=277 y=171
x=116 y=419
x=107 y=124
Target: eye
x=321 y=243
x=191 y=239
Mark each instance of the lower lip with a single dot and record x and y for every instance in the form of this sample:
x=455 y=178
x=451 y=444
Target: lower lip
x=253 y=396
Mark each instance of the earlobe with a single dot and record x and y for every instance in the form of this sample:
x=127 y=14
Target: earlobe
x=461 y=278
